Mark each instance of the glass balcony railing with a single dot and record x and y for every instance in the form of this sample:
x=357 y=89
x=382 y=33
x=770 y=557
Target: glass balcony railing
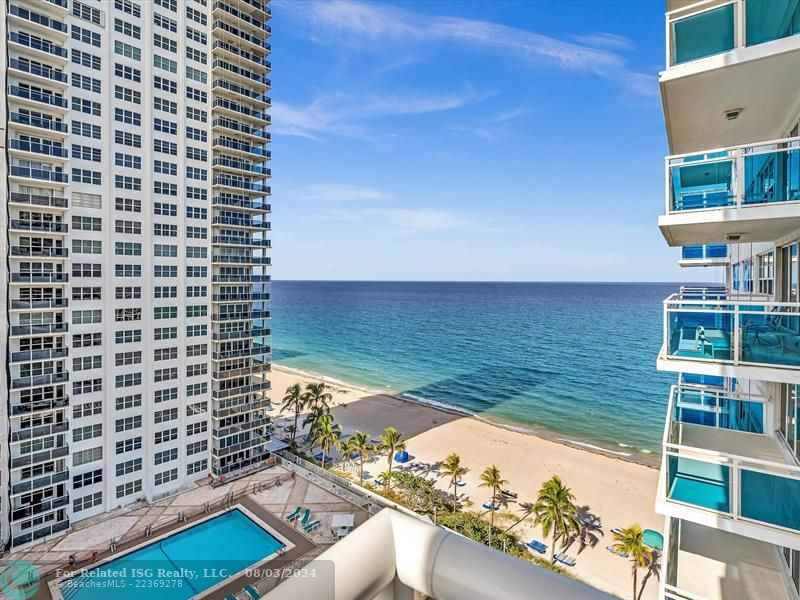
x=742 y=332
x=38 y=70
x=37 y=44
x=704 y=29
x=38 y=148
x=34 y=17
x=42 y=174
x=701 y=474
x=29 y=94
x=34 y=121
x=707 y=252
x=758 y=174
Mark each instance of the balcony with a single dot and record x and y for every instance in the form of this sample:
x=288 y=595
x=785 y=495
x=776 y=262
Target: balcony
x=37 y=98
x=42 y=532
x=239 y=334
x=728 y=54
x=38 y=303
x=40 y=277
x=39 y=122
x=51 y=176
x=39 y=380
x=746 y=191
x=720 y=469
x=237 y=240
x=240 y=297
x=38 y=71
x=41 y=45
x=35 y=458
x=240 y=278
x=26 y=408
x=41 y=22
x=236 y=35
x=49 y=150
x=243 y=202
x=38 y=226
x=37 y=509
x=706 y=563
x=45 y=354
x=752 y=339
x=709 y=255
x=39 y=252
x=39 y=329
x=241 y=260
x=38 y=200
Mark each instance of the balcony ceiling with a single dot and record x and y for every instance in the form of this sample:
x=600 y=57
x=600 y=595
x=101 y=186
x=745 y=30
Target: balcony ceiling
x=761 y=81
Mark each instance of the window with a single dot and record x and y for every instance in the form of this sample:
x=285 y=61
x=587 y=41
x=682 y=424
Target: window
x=86 y=153
x=747 y=276
x=127 y=358
x=166 y=476
x=122 y=315
x=126 y=402
x=127 y=270
x=196 y=252
x=86 y=456
x=196 y=36
x=128 y=6
x=86 y=176
x=165 y=312
x=196 y=389
x=165 y=105
x=87 y=13
x=193 y=133
x=126 y=204
x=86 y=130
x=766 y=273
x=86 y=200
x=127 y=72
x=126 y=28
x=165 y=126
x=133 y=227
x=86 y=293
x=164 y=167
x=193 y=212
x=128 y=293
x=87 y=387
x=196 y=55
x=85 y=59
x=165 y=291
x=198 y=233
x=167 y=374
x=88 y=432
x=127 y=160
x=195 y=370
x=126 y=489
x=165 y=147
x=165 y=271
x=87 y=409
x=86 y=106
x=166 y=436
x=160 y=354
x=167 y=85
x=163 y=416
x=86 y=270
x=165 y=250
x=196 y=428
x=128 y=336
x=84 y=82
x=165 y=333
x=196 y=447
x=84 y=35
x=196 y=330
x=87 y=363
x=168 y=4
x=127 y=50
x=125 y=182
x=87 y=502
x=87 y=223
x=196 y=75
x=196 y=467
x=196 y=291
x=128 y=423
x=129 y=445
x=196 y=272
x=160 y=62
x=128 y=380
x=128 y=139
x=165 y=395
x=127 y=249
x=84 y=317
x=164 y=229
x=127 y=116
x=87 y=247
x=165 y=23
x=127 y=467
x=196 y=173
x=193 y=193
x=197 y=408
x=90 y=478
x=195 y=15
x=127 y=94
x=165 y=456
x=196 y=153
x=163 y=42
x=86 y=340
x=197 y=350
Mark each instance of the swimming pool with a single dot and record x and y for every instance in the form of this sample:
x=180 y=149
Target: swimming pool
x=181 y=565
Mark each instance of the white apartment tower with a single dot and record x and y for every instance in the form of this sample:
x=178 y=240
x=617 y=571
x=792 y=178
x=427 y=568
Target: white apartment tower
x=136 y=294
x=730 y=477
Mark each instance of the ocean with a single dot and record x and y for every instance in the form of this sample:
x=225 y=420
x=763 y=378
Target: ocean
x=571 y=361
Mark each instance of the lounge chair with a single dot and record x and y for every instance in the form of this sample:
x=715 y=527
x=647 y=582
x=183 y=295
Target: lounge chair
x=306 y=517
x=295 y=514
x=230 y=597
x=565 y=559
x=537 y=546
x=616 y=530
x=488 y=505
x=312 y=526
x=251 y=591
x=617 y=552
x=591 y=522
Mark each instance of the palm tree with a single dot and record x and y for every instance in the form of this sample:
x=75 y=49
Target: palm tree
x=316 y=413
x=346 y=448
x=316 y=394
x=325 y=433
x=361 y=445
x=452 y=468
x=391 y=443
x=490 y=478
x=631 y=541
x=294 y=400
x=555 y=511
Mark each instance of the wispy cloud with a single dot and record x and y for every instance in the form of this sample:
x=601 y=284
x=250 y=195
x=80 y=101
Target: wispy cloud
x=337 y=192
x=352 y=22
x=409 y=220
x=605 y=40
x=345 y=114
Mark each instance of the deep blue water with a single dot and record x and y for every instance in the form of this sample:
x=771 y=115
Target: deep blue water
x=574 y=359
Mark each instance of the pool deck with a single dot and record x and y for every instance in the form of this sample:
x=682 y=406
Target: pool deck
x=271 y=505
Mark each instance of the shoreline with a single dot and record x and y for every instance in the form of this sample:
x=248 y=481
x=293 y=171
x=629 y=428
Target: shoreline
x=650 y=460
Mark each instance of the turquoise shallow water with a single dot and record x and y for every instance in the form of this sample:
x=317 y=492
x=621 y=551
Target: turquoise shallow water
x=181 y=565
x=576 y=360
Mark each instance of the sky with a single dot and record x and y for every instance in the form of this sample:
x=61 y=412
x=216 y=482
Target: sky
x=469 y=141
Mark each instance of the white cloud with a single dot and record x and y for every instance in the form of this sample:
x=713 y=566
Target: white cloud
x=352 y=22
x=344 y=114
x=337 y=192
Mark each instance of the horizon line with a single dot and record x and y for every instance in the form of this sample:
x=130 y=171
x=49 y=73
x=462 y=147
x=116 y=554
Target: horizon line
x=484 y=281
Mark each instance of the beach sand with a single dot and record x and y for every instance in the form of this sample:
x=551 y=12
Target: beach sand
x=619 y=492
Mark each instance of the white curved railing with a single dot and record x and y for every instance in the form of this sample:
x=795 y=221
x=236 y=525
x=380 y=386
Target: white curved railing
x=392 y=556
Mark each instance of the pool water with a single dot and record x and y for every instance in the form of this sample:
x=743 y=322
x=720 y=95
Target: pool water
x=180 y=565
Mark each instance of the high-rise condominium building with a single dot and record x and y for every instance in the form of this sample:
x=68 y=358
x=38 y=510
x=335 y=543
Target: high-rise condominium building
x=135 y=297
x=730 y=477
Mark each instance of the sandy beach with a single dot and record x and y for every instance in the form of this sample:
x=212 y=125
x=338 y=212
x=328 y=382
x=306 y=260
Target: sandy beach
x=619 y=492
